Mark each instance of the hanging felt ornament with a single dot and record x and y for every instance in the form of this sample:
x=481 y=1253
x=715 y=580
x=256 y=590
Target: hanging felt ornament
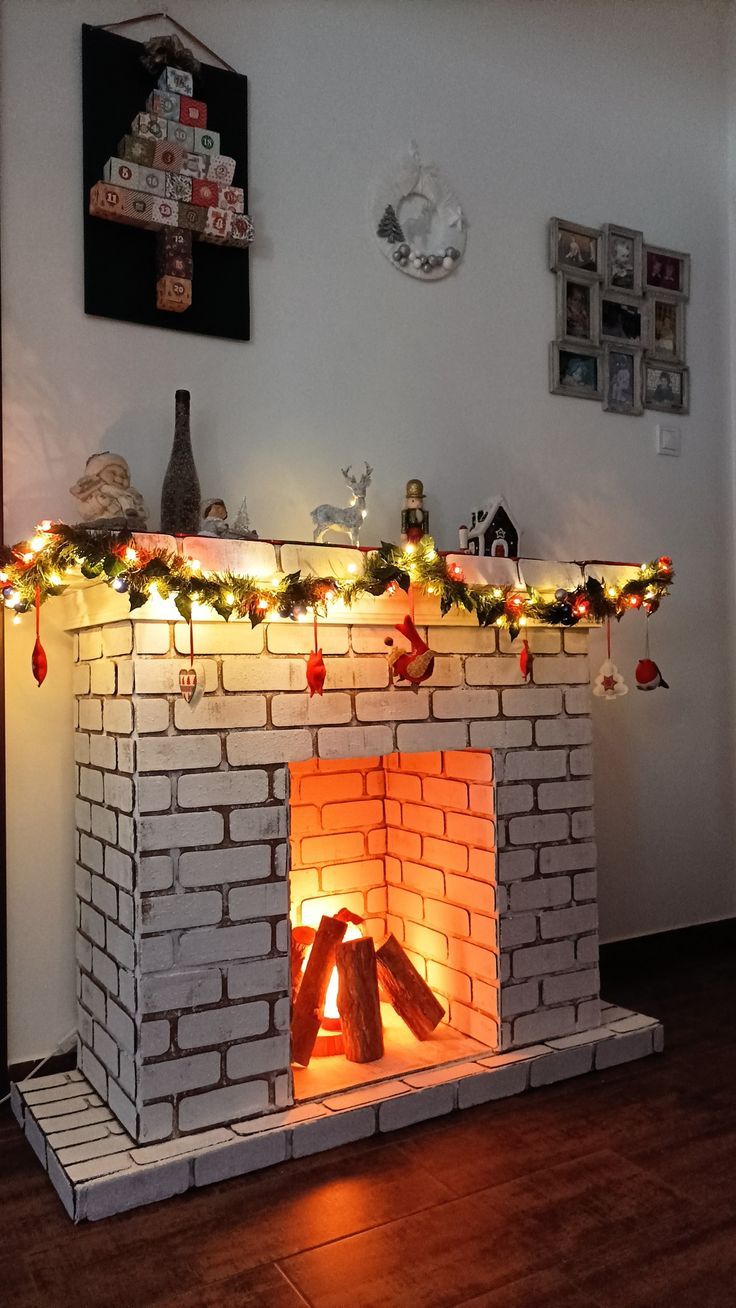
x=648 y=675
x=39 y=662
x=413 y=665
x=609 y=684
x=190 y=687
x=526 y=661
x=316 y=670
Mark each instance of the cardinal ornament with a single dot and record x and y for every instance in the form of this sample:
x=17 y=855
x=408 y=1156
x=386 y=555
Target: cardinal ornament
x=413 y=665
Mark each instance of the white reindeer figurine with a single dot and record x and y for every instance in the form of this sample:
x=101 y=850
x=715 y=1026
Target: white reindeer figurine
x=327 y=517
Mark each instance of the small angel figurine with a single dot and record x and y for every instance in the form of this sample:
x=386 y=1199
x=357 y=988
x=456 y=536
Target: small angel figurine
x=106 y=497
x=214 y=521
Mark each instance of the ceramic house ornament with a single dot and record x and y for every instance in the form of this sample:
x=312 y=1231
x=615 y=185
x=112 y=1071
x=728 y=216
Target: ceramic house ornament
x=417 y=220
x=492 y=532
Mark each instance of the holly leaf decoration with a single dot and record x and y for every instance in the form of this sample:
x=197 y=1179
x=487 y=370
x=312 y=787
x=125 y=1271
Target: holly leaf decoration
x=136 y=599
x=183 y=603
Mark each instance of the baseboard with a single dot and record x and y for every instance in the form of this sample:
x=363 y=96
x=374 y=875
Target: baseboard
x=661 y=946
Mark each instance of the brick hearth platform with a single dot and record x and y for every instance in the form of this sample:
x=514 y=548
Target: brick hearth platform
x=457 y=816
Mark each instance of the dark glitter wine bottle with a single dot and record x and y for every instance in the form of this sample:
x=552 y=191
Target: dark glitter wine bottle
x=180 y=494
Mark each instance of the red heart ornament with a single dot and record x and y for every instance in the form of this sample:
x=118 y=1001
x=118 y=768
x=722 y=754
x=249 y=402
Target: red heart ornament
x=187 y=683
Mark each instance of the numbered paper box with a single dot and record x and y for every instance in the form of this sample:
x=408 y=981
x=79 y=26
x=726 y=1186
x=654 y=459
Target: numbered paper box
x=192 y=112
x=232 y=197
x=107 y=201
x=179 y=187
x=122 y=173
x=206 y=141
x=192 y=217
x=205 y=192
x=221 y=168
x=149 y=126
x=137 y=149
x=181 y=135
x=165 y=212
x=153 y=180
x=165 y=104
x=173 y=294
x=194 y=165
x=240 y=230
x=168 y=156
x=177 y=80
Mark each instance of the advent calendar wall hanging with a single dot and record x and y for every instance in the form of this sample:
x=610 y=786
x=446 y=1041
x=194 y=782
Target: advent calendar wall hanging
x=166 y=231
x=620 y=319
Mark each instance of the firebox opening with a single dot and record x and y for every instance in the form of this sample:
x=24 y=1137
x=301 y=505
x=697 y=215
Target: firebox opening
x=402 y=846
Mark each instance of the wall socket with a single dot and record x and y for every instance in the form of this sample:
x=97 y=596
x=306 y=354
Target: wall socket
x=669 y=440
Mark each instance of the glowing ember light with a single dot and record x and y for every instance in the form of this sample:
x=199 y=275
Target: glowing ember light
x=16 y=619
x=37 y=543
x=131 y=555
x=431 y=554
x=611 y=592
x=352 y=568
x=329 y=595
x=230 y=598
x=523 y=621
x=263 y=604
x=456 y=572
x=410 y=548
x=497 y=592
x=302 y=616
x=27 y=558
x=119 y=584
x=45 y=525
x=633 y=601
x=194 y=563
x=11 y=598
x=55 y=579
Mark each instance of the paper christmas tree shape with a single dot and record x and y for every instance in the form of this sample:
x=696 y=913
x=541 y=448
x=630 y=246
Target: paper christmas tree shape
x=169 y=176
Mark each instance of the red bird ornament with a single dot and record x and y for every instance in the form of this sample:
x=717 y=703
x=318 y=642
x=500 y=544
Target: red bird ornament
x=648 y=676
x=316 y=673
x=413 y=665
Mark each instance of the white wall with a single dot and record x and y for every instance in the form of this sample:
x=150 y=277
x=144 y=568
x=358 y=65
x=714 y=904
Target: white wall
x=596 y=111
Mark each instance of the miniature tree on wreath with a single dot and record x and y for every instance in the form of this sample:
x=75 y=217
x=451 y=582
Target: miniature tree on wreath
x=389 y=228
x=168 y=176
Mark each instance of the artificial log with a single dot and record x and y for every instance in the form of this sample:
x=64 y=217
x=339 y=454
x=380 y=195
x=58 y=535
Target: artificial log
x=301 y=938
x=407 y=990
x=357 y=1000
x=310 y=1001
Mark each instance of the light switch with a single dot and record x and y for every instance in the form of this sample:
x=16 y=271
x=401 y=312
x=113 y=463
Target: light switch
x=669 y=440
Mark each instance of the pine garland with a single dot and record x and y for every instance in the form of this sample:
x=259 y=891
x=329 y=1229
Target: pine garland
x=48 y=563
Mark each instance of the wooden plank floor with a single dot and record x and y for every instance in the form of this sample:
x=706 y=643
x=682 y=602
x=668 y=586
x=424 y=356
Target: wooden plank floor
x=617 y=1190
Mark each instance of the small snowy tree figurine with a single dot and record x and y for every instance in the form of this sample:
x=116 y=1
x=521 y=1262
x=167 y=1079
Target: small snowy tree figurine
x=389 y=228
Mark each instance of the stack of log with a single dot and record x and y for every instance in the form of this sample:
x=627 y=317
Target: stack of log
x=360 y=967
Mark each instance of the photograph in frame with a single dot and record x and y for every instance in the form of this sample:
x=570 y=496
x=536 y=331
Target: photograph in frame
x=667 y=270
x=622 y=380
x=578 y=308
x=623 y=318
x=666 y=388
x=575 y=371
x=575 y=248
x=622 y=259
x=666 y=338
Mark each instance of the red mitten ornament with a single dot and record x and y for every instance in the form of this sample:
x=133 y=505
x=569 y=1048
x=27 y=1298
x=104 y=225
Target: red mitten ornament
x=413 y=665
x=316 y=672
x=648 y=676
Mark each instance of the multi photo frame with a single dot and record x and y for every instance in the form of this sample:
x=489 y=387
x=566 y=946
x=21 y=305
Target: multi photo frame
x=620 y=322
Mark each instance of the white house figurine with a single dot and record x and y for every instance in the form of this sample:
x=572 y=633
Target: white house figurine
x=492 y=532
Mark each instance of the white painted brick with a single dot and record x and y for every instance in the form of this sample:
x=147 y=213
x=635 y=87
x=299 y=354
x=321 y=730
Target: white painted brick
x=104 y=896
x=394 y=705
x=500 y=735
x=175 y=912
x=94 y=1072
x=218 y=866
x=240 y=1157
x=519 y=929
x=92 y=924
x=416 y=738
x=90 y=644
x=120 y=1026
x=570 y=985
x=280 y=780
x=585 y=885
x=534 y=764
x=81 y=679
x=539 y=959
x=125 y=677
x=215 y=944
x=199 y=790
x=578 y=700
x=83 y=951
x=549 y=893
x=221 y=713
x=119 y=717
x=565 y=794
x=499 y=1083
x=161 y=676
x=119 y=793
x=446 y=672
x=462 y=640
x=220 y=637
x=528 y=701
x=356 y=673
x=90 y=714
x=372 y=640
x=264 y=823
x=539 y=829
x=258 y=1056
x=126 y=755
x=173 y=1148
x=249 y=902
x=152 y=638
x=121 y=946
x=569 y=921
x=561 y=1065
x=103 y=678
x=464 y=703
x=156 y=953
x=154 y=794
x=152 y=715
x=107 y=1147
x=293 y=638
x=175 y=753
x=586 y=949
x=156 y=873
x=179 y=830
x=90 y=853
x=82 y=815
x=232 y=1101
x=119 y=868
x=90 y=784
x=102 y=752
x=576 y=642
x=354 y=742
x=302 y=710
x=544 y=1024
x=560 y=671
x=496 y=671
x=81 y=747
x=127 y=989
x=581 y=762
x=583 y=825
x=404 y=1110
x=262 y=747
x=514 y=799
x=264 y=674
x=521 y=998
x=178 y=1074
x=83 y=883
x=263 y=977
x=93 y=998
x=541 y=641
x=329 y=1132
x=105 y=970
x=567 y=858
x=564 y=731
x=178 y=990
x=137 y=1186
x=624 y=1048
x=117 y=638
x=216 y=1026
x=156 y=1122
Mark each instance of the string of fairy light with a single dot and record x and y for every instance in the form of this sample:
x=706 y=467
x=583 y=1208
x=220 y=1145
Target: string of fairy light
x=35 y=570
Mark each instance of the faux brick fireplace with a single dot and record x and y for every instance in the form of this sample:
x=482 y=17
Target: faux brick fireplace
x=457 y=816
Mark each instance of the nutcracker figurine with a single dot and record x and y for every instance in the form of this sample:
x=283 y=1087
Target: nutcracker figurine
x=414 y=516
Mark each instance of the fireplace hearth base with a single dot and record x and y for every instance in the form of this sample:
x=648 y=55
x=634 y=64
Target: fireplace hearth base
x=98 y=1170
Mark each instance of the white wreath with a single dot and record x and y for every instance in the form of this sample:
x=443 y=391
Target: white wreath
x=417 y=220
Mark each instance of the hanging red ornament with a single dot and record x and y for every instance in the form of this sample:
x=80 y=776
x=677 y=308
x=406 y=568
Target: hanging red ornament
x=413 y=665
x=188 y=680
x=526 y=661
x=316 y=670
x=39 y=662
x=648 y=675
x=609 y=684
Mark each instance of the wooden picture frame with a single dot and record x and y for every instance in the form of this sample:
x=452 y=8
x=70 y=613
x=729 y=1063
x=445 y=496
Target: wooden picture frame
x=666 y=322
x=622 y=386
x=568 y=365
x=621 y=272
x=660 y=393
x=678 y=286
x=576 y=309
x=559 y=229
x=617 y=325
